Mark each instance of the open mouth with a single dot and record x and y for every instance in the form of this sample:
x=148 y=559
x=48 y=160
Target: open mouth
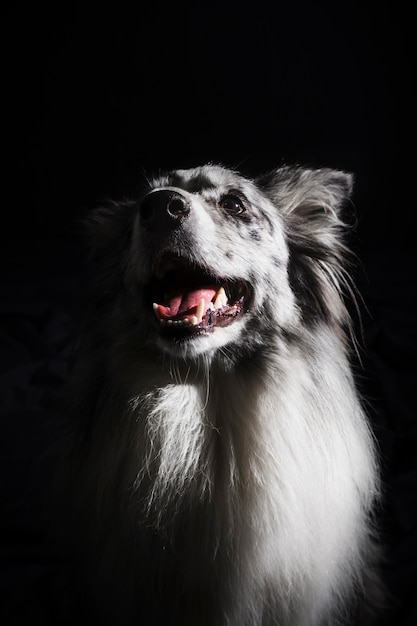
x=187 y=300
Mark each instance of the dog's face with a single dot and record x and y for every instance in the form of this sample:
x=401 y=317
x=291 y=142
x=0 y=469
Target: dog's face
x=209 y=251
x=207 y=258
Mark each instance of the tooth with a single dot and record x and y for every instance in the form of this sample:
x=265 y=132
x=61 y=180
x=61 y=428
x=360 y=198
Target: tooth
x=200 y=309
x=217 y=303
x=186 y=321
x=156 y=310
x=220 y=299
x=211 y=306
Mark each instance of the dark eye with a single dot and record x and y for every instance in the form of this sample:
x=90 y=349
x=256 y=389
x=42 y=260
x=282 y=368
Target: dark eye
x=232 y=204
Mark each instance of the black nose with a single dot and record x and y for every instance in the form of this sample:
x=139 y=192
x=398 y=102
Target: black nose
x=163 y=210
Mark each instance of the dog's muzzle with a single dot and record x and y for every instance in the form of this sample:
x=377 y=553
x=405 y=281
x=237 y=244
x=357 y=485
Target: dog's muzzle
x=186 y=297
x=163 y=210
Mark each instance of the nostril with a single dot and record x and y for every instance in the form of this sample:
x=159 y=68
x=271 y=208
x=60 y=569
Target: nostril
x=163 y=209
x=177 y=207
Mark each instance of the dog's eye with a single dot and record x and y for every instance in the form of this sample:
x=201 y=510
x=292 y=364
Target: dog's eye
x=232 y=204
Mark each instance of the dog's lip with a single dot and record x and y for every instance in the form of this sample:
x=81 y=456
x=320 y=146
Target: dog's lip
x=188 y=300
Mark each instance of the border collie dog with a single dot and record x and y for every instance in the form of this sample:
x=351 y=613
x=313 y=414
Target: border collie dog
x=223 y=472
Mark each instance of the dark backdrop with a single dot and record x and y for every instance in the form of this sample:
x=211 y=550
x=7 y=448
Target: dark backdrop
x=94 y=98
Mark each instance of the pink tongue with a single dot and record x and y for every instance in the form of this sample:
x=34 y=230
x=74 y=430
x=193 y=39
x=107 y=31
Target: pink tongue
x=184 y=304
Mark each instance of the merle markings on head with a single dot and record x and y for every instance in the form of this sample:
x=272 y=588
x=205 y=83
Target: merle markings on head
x=210 y=257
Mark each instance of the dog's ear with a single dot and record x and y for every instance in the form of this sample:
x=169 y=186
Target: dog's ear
x=315 y=209
x=306 y=195
x=105 y=233
x=104 y=227
x=314 y=205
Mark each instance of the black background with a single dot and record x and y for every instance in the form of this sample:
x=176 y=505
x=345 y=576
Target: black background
x=94 y=99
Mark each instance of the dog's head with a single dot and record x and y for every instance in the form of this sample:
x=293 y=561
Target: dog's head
x=206 y=257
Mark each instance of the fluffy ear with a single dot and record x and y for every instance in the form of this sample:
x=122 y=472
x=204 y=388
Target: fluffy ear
x=104 y=227
x=312 y=203
x=106 y=233
x=309 y=198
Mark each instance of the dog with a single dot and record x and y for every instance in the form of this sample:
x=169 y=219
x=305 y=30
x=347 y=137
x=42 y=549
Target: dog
x=223 y=471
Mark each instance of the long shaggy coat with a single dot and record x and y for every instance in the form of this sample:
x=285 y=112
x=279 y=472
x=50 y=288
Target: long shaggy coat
x=223 y=472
